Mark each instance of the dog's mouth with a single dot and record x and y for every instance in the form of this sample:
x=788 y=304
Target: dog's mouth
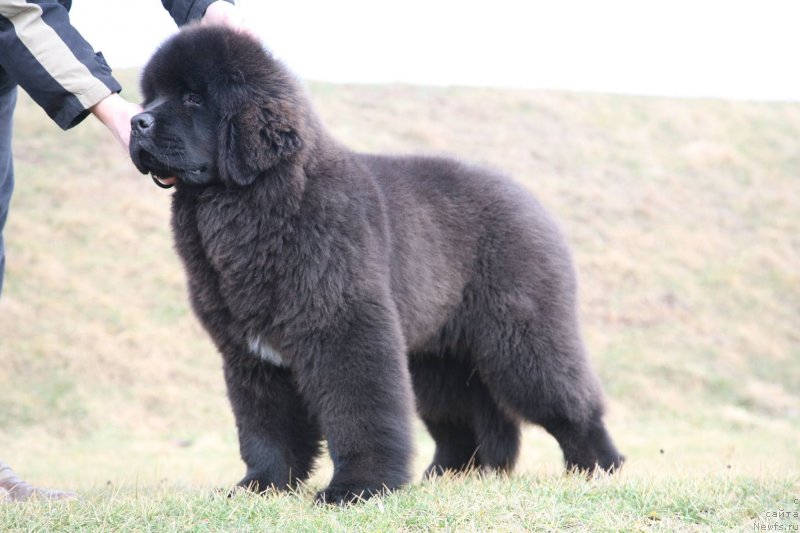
x=162 y=175
x=164 y=183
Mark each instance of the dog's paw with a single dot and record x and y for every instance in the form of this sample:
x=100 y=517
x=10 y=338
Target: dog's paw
x=260 y=485
x=347 y=494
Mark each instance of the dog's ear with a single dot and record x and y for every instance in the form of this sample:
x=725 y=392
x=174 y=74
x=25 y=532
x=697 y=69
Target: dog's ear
x=253 y=139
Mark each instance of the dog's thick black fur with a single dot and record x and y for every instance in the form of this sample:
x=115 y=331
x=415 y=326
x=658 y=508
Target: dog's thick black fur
x=341 y=287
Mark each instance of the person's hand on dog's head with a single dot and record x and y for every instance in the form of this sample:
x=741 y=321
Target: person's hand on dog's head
x=223 y=13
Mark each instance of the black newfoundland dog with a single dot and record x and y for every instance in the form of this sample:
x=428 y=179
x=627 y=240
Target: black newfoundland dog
x=344 y=289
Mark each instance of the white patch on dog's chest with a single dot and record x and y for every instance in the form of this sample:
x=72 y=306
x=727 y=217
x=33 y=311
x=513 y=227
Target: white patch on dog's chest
x=265 y=352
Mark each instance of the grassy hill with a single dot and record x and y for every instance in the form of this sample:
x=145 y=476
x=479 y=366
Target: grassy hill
x=683 y=220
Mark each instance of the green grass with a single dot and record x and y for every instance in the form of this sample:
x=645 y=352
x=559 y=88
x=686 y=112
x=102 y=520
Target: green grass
x=685 y=503
x=683 y=220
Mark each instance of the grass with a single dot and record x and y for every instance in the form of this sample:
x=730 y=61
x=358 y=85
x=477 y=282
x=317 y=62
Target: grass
x=506 y=504
x=682 y=217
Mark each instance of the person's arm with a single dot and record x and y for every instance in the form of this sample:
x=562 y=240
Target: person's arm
x=55 y=65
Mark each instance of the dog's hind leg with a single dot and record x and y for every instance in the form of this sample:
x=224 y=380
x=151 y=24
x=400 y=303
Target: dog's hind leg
x=468 y=427
x=534 y=363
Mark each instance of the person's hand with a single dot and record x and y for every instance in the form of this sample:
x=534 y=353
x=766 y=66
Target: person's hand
x=116 y=113
x=224 y=14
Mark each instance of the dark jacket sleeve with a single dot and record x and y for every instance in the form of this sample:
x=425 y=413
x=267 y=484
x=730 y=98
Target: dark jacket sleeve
x=43 y=53
x=184 y=11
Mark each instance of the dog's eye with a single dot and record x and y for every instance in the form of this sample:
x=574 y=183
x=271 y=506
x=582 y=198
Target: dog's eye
x=193 y=99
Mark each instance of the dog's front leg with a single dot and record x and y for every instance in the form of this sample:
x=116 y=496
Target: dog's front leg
x=278 y=438
x=357 y=382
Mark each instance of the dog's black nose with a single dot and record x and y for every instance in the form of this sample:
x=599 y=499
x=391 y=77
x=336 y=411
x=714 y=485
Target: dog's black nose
x=142 y=122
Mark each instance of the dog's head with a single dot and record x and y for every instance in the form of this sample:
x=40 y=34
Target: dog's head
x=218 y=108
